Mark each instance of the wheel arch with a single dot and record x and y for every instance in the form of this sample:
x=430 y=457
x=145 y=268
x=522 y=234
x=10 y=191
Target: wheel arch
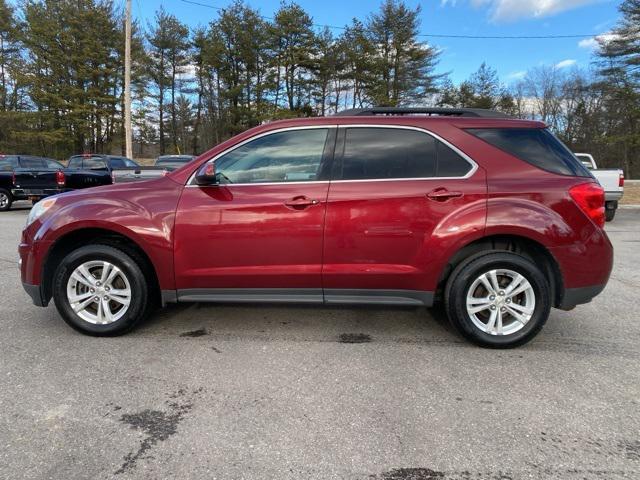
x=103 y=236
x=519 y=244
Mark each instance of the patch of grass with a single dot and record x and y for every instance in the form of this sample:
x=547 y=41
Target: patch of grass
x=631 y=194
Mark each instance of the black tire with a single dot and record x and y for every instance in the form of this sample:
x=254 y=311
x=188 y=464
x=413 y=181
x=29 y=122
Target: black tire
x=4 y=206
x=609 y=215
x=140 y=304
x=462 y=279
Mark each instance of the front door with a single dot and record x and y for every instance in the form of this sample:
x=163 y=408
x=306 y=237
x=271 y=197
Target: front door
x=258 y=234
x=392 y=188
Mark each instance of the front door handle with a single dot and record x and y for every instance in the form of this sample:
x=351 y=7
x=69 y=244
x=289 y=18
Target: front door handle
x=443 y=195
x=300 y=203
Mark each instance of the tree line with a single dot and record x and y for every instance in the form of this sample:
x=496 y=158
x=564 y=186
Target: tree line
x=62 y=77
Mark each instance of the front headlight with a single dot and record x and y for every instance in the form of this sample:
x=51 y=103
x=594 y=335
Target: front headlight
x=40 y=209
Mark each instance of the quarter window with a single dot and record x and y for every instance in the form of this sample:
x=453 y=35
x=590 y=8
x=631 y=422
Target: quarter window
x=536 y=146
x=291 y=156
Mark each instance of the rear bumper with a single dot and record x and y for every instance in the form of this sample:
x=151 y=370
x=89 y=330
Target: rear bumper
x=37 y=192
x=577 y=296
x=35 y=292
x=612 y=196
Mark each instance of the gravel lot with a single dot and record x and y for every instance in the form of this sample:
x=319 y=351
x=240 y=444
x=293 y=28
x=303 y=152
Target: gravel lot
x=258 y=392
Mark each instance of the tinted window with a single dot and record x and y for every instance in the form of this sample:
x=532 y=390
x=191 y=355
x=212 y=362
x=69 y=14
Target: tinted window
x=375 y=153
x=174 y=159
x=536 y=146
x=94 y=163
x=117 y=163
x=32 y=162
x=450 y=163
x=7 y=164
x=130 y=163
x=75 y=162
x=291 y=156
x=53 y=164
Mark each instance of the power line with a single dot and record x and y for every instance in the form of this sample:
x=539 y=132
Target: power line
x=433 y=35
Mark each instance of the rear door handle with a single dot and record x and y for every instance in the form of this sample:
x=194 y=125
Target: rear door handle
x=300 y=203
x=442 y=195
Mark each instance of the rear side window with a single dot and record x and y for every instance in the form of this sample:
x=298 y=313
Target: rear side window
x=536 y=146
x=383 y=153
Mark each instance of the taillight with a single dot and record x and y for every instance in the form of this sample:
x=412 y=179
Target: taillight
x=13 y=179
x=60 y=178
x=590 y=198
x=621 y=180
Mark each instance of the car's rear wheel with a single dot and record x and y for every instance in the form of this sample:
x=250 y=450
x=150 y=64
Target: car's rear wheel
x=498 y=299
x=5 y=200
x=101 y=290
x=609 y=215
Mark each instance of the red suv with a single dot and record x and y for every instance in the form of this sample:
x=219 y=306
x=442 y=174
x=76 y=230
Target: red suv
x=493 y=217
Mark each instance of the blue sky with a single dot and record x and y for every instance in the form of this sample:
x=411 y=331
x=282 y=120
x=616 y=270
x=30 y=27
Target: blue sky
x=460 y=57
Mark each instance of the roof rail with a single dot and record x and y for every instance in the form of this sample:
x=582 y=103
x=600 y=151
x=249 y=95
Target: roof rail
x=429 y=111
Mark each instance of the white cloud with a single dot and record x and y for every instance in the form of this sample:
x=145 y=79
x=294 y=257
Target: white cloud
x=570 y=62
x=593 y=43
x=510 y=10
x=517 y=75
x=590 y=43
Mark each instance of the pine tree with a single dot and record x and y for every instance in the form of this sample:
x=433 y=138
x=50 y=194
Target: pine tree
x=169 y=43
x=295 y=49
x=403 y=71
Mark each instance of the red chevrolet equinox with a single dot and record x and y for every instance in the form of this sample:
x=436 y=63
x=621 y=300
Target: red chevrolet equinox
x=492 y=217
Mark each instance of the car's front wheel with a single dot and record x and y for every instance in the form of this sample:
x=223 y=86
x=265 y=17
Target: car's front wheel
x=101 y=290
x=498 y=299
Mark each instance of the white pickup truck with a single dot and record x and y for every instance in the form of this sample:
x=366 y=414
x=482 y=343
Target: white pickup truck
x=612 y=180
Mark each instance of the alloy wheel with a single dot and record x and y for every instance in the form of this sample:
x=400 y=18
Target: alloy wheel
x=501 y=302
x=99 y=292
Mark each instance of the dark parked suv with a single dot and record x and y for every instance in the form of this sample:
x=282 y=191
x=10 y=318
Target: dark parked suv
x=490 y=216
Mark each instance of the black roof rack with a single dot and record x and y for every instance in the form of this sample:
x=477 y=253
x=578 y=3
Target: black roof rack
x=429 y=111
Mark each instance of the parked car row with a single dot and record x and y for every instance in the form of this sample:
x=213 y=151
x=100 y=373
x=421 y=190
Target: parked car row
x=27 y=177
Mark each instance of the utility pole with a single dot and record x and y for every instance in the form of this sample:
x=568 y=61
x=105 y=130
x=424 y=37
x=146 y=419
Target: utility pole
x=128 y=134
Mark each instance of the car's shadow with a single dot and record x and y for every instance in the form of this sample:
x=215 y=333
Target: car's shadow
x=312 y=323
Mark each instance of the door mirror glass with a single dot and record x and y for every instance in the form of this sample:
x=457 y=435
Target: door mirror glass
x=207 y=175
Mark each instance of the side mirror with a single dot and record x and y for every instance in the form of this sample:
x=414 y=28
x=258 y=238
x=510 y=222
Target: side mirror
x=207 y=175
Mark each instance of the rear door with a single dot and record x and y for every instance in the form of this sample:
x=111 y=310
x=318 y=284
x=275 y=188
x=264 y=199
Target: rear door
x=391 y=188
x=258 y=234
x=86 y=171
x=35 y=175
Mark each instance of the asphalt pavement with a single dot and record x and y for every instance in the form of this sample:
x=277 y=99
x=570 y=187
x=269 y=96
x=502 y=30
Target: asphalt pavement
x=290 y=392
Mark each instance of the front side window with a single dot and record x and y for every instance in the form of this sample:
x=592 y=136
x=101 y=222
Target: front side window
x=117 y=163
x=291 y=156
